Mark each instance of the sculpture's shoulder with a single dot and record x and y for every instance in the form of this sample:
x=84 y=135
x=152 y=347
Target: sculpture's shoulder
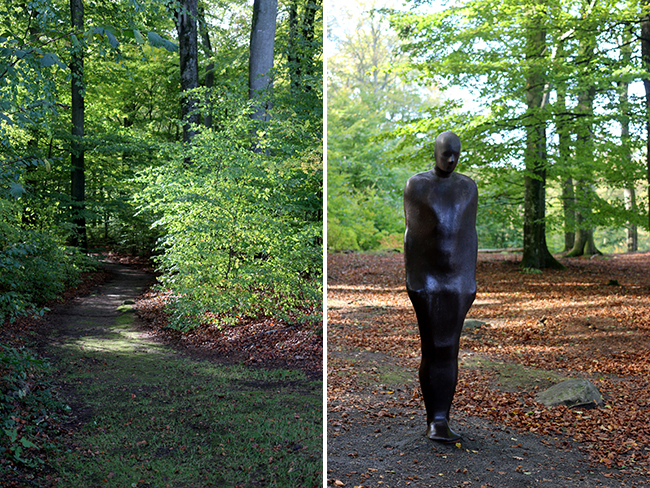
x=467 y=182
x=421 y=184
x=418 y=183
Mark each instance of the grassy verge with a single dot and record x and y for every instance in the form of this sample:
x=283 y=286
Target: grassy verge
x=150 y=417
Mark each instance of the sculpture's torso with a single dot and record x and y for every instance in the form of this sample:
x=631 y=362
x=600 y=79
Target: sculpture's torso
x=440 y=241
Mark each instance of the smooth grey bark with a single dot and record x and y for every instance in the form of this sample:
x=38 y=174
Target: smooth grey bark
x=209 y=69
x=260 y=62
x=77 y=176
x=629 y=193
x=188 y=51
x=568 y=207
x=585 y=193
x=564 y=136
x=536 y=254
x=645 y=57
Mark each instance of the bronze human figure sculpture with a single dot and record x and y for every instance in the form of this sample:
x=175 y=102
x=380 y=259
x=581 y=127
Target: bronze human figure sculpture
x=440 y=248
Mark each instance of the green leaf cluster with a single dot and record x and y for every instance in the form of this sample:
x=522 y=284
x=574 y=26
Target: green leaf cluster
x=480 y=51
x=28 y=409
x=367 y=166
x=242 y=232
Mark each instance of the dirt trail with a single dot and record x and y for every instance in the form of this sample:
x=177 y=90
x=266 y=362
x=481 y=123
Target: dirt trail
x=376 y=420
x=93 y=318
x=146 y=414
x=373 y=442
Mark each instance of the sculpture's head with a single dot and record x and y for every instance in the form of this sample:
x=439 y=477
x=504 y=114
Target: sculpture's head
x=447 y=153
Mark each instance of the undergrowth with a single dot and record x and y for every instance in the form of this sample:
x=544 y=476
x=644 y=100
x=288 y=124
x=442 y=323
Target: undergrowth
x=30 y=413
x=34 y=269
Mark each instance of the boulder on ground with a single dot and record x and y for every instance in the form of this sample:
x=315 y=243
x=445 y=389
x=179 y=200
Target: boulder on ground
x=572 y=393
x=472 y=325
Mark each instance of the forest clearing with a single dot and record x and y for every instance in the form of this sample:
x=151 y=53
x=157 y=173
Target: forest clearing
x=590 y=321
x=116 y=406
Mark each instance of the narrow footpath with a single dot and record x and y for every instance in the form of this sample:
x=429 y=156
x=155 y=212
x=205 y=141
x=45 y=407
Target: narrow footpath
x=144 y=414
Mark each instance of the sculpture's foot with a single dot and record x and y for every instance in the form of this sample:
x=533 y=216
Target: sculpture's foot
x=439 y=430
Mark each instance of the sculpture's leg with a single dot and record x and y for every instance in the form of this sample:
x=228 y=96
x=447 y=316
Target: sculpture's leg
x=440 y=320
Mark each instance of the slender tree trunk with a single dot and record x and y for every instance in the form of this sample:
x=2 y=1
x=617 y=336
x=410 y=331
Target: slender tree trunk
x=629 y=193
x=301 y=36
x=568 y=195
x=536 y=253
x=262 y=46
x=187 y=47
x=77 y=177
x=293 y=57
x=209 y=69
x=585 y=193
x=645 y=57
x=568 y=207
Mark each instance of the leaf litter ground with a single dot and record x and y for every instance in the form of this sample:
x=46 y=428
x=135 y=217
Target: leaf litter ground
x=590 y=321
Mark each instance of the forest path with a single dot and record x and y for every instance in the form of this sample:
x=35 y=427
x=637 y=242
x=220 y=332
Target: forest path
x=145 y=414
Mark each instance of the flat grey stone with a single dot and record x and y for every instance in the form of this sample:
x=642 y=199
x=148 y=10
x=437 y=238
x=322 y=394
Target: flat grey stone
x=470 y=325
x=572 y=393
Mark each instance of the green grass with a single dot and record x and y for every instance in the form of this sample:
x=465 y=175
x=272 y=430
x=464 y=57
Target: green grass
x=151 y=417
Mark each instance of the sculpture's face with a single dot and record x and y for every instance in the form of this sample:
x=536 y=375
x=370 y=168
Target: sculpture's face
x=447 y=152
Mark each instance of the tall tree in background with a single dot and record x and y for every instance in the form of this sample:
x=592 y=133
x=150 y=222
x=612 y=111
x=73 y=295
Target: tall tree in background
x=645 y=58
x=301 y=36
x=624 y=102
x=78 y=177
x=536 y=253
x=584 y=145
x=260 y=61
x=209 y=69
x=562 y=123
x=367 y=101
x=188 y=50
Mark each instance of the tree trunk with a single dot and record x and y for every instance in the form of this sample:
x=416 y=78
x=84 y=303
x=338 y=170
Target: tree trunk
x=568 y=194
x=536 y=253
x=301 y=36
x=187 y=47
x=630 y=204
x=209 y=69
x=568 y=207
x=645 y=57
x=629 y=193
x=293 y=57
x=262 y=46
x=77 y=176
x=584 y=157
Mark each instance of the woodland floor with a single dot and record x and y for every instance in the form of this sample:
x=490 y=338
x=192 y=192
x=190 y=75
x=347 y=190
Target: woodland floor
x=147 y=409
x=590 y=321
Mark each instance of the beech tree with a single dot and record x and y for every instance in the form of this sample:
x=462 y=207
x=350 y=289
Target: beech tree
x=260 y=61
x=536 y=253
x=186 y=23
x=78 y=177
x=544 y=84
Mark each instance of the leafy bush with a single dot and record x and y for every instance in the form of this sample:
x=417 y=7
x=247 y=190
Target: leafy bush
x=361 y=219
x=28 y=407
x=242 y=230
x=34 y=268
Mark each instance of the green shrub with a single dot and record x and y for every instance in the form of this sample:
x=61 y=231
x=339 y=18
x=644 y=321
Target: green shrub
x=242 y=230
x=34 y=268
x=28 y=407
